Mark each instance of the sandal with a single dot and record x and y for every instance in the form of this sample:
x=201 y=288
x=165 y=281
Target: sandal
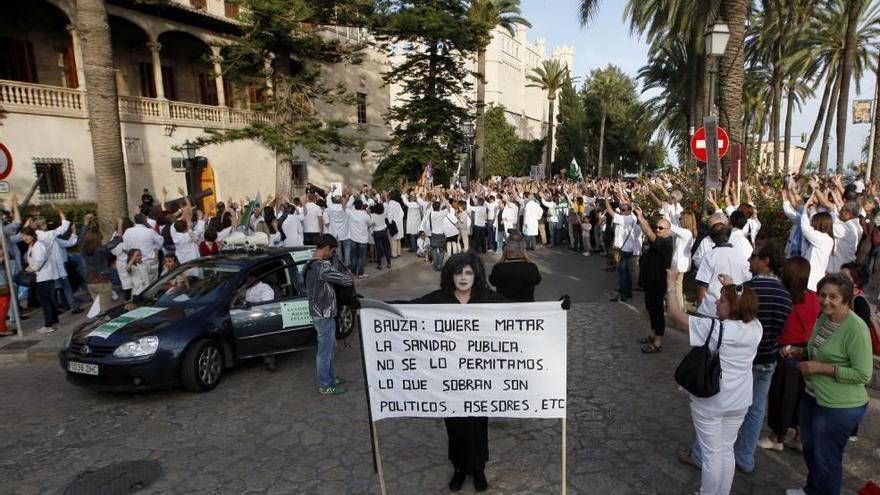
x=651 y=348
x=645 y=340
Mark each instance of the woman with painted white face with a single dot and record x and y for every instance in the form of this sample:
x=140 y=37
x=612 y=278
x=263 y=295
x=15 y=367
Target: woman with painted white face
x=463 y=281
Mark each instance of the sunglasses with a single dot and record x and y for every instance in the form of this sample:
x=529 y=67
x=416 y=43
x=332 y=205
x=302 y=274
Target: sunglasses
x=660 y=228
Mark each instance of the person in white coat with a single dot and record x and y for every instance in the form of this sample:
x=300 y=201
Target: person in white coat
x=394 y=212
x=293 y=227
x=414 y=211
x=818 y=231
x=531 y=217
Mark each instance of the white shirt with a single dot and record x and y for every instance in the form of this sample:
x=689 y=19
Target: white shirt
x=395 y=214
x=741 y=243
x=531 y=217
x=818 y=251
x=481 y=214
x=39 y=260
x=312 y=220
x=413 y=215
x=293 y=229
x=846 y=241
x=510 y=216
x=144 y=239
x=491 y=211
x=336 y=219
x=186 y=245
x=705 y=246
x=681 y=254
x=259 y=292
x=627 y=234
x=739 y=345
x=359 y=226
x=672 y=212
x=724 y=259
x=552 y=214
x=435 y=223
x=378 y=221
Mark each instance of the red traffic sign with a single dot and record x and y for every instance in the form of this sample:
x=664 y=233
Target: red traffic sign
x=698 y=144
x=5 y=162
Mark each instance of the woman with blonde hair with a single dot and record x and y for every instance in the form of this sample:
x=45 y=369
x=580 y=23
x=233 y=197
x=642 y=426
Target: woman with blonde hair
x=515 y=277
x=685 y=233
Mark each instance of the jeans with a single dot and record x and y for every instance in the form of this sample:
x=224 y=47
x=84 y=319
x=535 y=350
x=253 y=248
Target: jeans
x=744 y=449
x=626 y=269
x=311 y=238
x=479 y=240
x=551 y=226
x=325 y=359
x=46 y=294
x=716 y=434
x=576 y=241
x=439 y=254
x=490 y=233
x=825 y=432
x=358 y=257
x=383 y=246
x=530 y=242
x=501 y=238
x=413 y=242
x=64 y=284
x=345 y=246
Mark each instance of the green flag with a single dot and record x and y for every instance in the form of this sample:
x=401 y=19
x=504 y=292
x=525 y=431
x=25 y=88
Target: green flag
x=249 y=211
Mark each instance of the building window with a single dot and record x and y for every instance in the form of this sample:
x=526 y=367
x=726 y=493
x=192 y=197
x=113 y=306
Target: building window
x=208 y=90
x=17 y=61
x=362 y=108
x=300 y=174
x=148 y=82
x=55 y=178
x=199 y=4
x=231 y=9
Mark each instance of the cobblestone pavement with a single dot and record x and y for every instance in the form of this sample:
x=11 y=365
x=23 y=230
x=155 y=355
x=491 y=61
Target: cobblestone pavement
x=262 y=432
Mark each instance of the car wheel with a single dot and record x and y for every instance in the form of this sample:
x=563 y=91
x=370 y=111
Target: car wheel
x=202 y=366
x=346 y=320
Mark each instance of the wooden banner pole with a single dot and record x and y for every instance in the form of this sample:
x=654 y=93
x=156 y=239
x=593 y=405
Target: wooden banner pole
x=378 y=458
x=564 y=455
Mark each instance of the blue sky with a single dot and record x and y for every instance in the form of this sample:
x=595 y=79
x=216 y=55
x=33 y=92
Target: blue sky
x=608 y=40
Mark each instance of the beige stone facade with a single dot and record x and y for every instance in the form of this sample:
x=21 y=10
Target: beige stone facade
x=168 y=93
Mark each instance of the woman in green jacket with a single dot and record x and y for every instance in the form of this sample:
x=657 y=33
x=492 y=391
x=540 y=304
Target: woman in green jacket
x=837 y=365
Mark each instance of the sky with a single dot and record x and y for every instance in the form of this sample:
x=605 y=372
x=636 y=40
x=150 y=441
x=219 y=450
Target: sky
x=607 y=40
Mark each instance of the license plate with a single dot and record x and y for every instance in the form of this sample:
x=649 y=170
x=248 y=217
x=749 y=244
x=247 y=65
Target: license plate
x=86 y=369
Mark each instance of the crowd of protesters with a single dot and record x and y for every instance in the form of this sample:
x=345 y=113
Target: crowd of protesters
x=793 y=314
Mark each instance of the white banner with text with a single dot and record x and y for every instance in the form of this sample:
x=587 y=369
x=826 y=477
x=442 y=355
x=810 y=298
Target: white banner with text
x=439 y=360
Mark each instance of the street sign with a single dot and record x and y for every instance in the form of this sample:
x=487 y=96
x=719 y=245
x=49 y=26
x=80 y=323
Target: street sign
x=5 y=162
x=698 y=144
x=4 y=186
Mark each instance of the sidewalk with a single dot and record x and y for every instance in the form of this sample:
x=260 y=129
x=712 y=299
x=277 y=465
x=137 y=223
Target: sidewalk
x=36 y=347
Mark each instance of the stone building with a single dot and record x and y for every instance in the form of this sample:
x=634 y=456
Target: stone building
x=168 y=93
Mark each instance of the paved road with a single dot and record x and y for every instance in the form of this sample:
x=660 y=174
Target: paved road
x=262 y=432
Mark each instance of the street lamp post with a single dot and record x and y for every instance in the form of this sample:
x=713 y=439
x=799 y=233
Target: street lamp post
x=467 y=129
x=189 y=150
x=715 y=40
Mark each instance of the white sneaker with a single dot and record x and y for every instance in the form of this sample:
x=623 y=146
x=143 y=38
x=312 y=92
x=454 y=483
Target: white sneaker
x=795 y=491
x=766 y=443
x=586 y=253
x=45 y=330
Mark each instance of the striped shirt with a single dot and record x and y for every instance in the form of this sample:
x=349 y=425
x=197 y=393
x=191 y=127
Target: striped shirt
x=825 y=332
x=774 y=306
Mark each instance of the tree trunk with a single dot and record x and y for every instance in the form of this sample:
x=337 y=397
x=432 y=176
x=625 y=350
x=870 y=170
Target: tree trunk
x=547 y=170
x=789 y=115
x=775 y=117
x=814 y=134
x=875 y=156
x=826 y=134
x=480 y=127
x=849 y=58
x=602 y=139
x=103 y=105
x=762 y=123
x=731 y=73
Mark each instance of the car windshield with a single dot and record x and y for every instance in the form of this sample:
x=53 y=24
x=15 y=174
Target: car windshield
x=189 y=286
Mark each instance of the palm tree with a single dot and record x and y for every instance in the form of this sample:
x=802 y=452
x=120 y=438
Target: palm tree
x=487 y=14
x=875 y=154
x=667 y=70
x=609 y=86
x=731 y=73
x=103 y=104
x=551 y=76
x=850 y=47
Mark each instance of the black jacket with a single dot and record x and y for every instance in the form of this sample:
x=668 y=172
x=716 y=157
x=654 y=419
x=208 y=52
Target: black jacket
x=516 y=279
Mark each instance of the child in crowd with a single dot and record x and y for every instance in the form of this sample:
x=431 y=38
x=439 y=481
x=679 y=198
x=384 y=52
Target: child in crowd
x=422 y=246
x=138 y=271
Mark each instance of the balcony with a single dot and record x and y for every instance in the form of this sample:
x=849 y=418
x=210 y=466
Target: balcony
x=39 y=99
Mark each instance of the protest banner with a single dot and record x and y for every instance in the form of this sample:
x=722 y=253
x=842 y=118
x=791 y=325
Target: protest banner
x=447 y=360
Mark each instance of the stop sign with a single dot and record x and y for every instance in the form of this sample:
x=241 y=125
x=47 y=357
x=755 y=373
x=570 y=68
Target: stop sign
x=698 y=144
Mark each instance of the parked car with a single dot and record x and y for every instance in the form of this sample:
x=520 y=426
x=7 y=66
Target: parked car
x=193 y=323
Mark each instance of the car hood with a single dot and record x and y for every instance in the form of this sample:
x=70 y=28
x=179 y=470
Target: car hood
x=132 y=330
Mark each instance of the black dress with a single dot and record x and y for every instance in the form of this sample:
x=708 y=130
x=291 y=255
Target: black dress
x=468 y=436
x=516 y=279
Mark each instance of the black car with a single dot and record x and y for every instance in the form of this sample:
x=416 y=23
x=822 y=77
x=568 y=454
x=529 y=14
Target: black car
x=194 y=323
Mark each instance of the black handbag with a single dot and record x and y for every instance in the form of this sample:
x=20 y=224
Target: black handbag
x=700 y=371
x=438 y=241
x=392 y=227
x=25 y=278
